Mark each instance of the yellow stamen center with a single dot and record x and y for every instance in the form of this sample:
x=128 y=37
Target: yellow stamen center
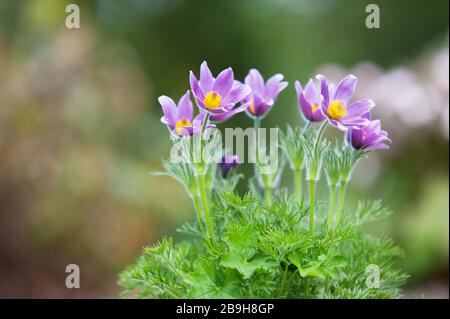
x=337 y=110
x=251 y=107
x=182 y=124
x=212 y=100
x=314 y=107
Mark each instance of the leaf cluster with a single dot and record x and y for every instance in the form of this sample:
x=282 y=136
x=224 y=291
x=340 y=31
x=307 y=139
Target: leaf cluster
x=264 y=250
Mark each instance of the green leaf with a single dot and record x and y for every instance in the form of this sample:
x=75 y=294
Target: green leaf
x=313 y=269
x=247 y=267
x=336 y=262
x=241 y=238
x=209 y=281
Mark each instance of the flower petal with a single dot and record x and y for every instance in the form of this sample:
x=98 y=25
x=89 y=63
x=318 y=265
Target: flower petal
x=377 y=146
x=310 y=92
x=206 y=78
x=359 y=108
x=237 y=94
x=225 y=116
x=354 y=121
x=224 y=82
x=185 y=107
x=346 y=88
x=375 y=126
x=255 y=80
x=305 y=107
x=195 y=86
x=274 y=86
x=324 y=90
x=169 y=109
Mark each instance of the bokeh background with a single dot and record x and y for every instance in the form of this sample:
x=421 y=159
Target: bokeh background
x=80 y=130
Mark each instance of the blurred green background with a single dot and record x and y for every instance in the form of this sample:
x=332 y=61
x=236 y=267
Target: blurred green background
x=80 y=130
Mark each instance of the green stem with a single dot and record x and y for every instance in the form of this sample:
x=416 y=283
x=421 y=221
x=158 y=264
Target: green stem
x=256 y=125
x=298 y=184
x=266 y=178
x=327 y=284
x=205 y=205
x=267 y=194
x=312 y=199
x=283 y=280
x=306 y=127
x=205 y=123
x=331 y=206
x=198 y=208
x=202 y=185
x=320 y=132
x=341 y=199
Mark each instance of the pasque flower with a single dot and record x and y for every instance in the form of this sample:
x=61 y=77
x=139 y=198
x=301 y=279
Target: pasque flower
x=310 y=101
x=227 y=163
x=368 y=137
x=263 y=94
x=218 y=96
x=336 y=106
x=179 y=118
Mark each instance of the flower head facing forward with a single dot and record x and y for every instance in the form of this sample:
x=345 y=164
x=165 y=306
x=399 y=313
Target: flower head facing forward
x=218 y=96
x=180 y=118
x=227 y=163
x=336 y=106
x=309 y=101
x=263 y=94
x=368 y=137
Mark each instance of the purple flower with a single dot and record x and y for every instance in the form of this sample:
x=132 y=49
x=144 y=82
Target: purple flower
x=310 y=101
x=218 y=96
x=227 y=163
x=368 y=137
x=179 y=119
x=336 y=106
x=263 y=95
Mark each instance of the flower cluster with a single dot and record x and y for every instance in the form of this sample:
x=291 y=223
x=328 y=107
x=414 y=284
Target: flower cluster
x=219 y=98
x=332 y=103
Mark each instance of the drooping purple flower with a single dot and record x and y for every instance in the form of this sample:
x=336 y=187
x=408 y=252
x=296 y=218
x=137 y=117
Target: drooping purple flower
x=263 y=95
x=336 y=106
x=218 y=96
x=227 y=163
x=179 y=118
x=310 y=101
x=368 y=137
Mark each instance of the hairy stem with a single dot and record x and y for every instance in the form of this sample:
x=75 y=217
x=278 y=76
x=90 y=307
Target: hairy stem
x=205 y=205
x=331 y=206
x=265 y=178
x=298 y=184
x=341 y=199
x=312 y=202
x=320 y=132
x=202 y=187
x=198 y=209
x=267 y=194
x=256 y=125
x=283 y=280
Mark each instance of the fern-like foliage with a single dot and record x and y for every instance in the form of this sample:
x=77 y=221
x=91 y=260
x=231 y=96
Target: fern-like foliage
x=264 y=250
